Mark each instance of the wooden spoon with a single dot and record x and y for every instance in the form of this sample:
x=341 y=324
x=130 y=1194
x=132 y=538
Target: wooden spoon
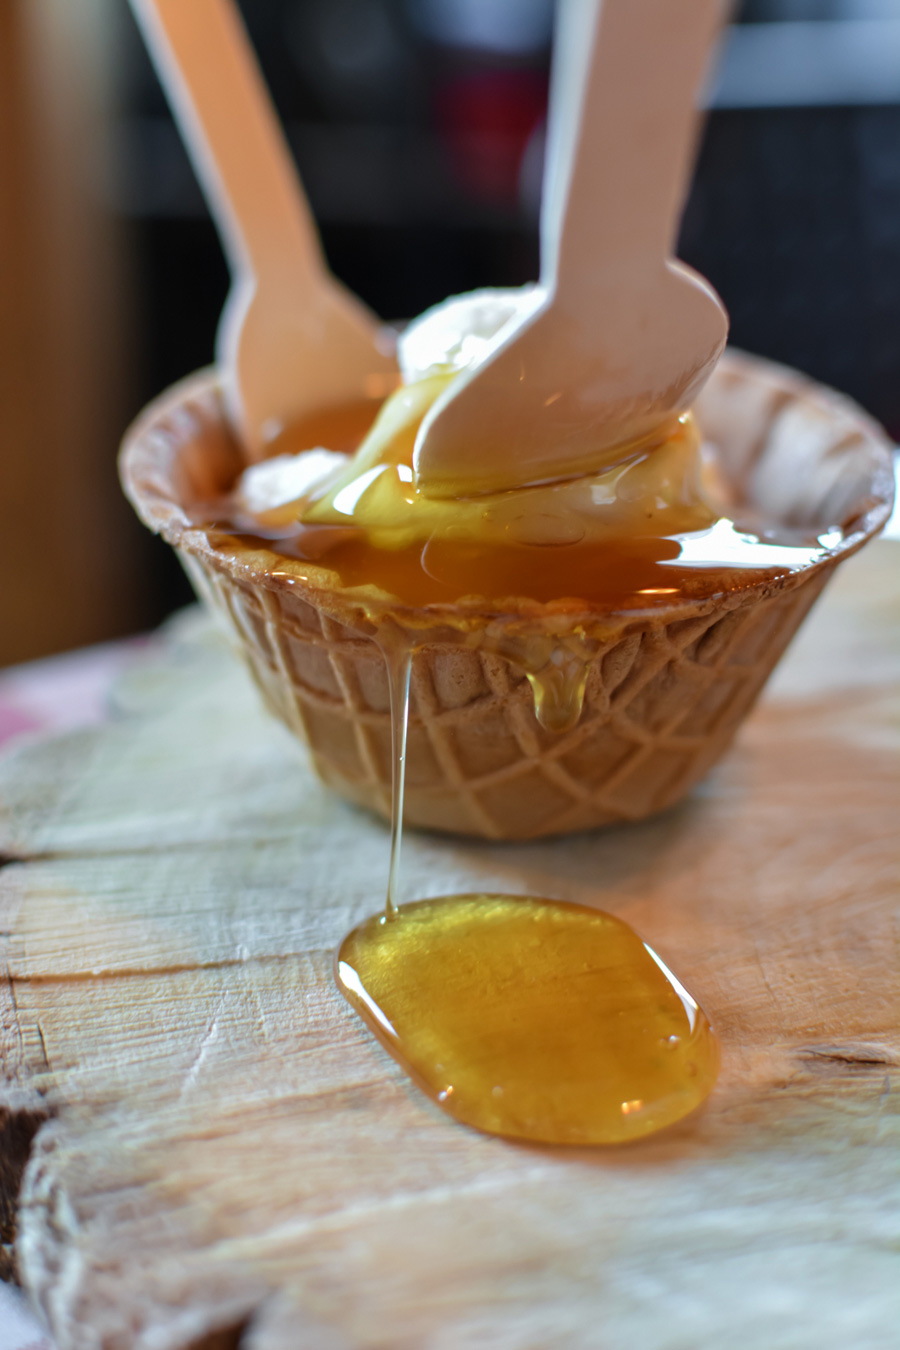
x=291 y=339
x=625 y=337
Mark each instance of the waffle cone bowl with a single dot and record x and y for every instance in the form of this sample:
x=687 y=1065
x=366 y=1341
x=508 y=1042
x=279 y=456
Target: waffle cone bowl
x=666 y=689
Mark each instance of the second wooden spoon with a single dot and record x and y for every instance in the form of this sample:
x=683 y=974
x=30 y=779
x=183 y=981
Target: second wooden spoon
x=626 y=337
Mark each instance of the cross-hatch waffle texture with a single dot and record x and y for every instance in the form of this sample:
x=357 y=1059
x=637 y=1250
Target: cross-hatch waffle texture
x=661 y=705
x=665 y=692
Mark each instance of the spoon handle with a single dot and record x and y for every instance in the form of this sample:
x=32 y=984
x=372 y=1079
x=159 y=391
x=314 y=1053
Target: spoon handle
x=207 y=67
x=622 y=128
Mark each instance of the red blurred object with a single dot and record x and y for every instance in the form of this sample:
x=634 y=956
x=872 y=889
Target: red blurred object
x=486 y=120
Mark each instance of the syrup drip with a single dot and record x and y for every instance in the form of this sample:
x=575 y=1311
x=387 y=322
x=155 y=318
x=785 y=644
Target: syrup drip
x=399 y=663
x=524 y=1017
x=558 y=687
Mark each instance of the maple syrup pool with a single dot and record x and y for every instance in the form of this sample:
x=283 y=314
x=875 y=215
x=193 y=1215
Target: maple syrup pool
x=531 y=1018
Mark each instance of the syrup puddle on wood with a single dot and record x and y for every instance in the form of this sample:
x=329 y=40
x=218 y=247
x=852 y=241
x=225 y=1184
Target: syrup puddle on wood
x=522 y=1016
x=525 y=1017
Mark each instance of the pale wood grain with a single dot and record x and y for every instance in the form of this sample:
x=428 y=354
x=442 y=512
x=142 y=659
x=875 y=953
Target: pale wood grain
x=232 y=1154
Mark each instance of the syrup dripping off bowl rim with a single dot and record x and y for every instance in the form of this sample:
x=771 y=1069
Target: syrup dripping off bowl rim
x=180 y=453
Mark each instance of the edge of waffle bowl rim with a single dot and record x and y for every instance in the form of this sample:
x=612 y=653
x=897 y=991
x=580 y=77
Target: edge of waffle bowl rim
x=146 y=461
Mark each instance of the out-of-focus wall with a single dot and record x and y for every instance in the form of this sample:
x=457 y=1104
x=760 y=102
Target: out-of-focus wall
x=69 y=551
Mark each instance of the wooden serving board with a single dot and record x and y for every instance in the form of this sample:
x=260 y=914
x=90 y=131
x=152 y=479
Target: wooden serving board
x=223 y=1156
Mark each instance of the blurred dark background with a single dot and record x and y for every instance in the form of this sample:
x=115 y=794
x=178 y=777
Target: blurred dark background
x=417 y=127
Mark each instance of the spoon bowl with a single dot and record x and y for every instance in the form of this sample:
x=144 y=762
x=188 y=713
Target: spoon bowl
x=572 y=400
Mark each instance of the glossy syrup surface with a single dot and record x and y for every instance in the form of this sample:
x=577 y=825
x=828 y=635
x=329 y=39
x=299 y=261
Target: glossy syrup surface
x=531 y=1018
x=555 y=561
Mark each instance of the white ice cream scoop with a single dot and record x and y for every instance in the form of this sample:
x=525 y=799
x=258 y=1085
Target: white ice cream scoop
x=292 y=340
x=623 y=337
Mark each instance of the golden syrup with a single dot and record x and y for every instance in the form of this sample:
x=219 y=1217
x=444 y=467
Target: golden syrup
x=545 y=552
x=609 y=575
x=341 y=428
x=525 y=1017
x=531 y=1018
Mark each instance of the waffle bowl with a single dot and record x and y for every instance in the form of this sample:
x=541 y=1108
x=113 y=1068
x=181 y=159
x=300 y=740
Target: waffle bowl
x=666 y=689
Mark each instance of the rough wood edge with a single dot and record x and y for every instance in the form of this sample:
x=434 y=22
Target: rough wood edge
x=23 y=1107
x=23 y=1111
x=18 y=1128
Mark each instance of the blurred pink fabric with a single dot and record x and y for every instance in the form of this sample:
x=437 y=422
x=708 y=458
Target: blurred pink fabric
x=64 y=692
